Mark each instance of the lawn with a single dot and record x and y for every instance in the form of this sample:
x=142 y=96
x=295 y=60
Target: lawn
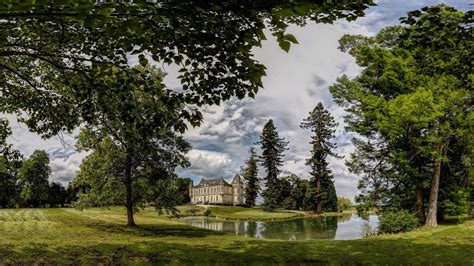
x=97 y=236
x=241 y=213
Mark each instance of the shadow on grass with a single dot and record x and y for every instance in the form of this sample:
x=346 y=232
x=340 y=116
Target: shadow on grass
x=113 y=243
x=141 y=230
x=237 y=251
x=151 y=230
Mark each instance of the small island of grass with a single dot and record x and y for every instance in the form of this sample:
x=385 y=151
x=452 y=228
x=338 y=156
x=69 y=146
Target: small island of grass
x=255 y=214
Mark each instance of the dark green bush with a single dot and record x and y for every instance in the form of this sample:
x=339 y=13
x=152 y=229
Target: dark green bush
x=207 y=212
x=397 y=222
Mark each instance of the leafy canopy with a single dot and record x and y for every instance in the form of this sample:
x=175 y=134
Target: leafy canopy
x=411 y=105
x=53 y=53
x=132 y=162
x=33 y=177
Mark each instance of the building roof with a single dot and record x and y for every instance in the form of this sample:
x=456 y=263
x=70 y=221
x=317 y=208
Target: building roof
x=214 y=181
x=236 y=179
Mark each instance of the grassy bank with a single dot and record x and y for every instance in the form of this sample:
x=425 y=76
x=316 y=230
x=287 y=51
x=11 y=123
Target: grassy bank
x=329 y=214
x=256 y=214
x=99 y=236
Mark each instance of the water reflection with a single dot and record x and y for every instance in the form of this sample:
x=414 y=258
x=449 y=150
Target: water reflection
x=352 y=228
x=340 y=228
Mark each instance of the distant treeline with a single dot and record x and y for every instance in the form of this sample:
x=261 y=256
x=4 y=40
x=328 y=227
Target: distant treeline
x=24 y=183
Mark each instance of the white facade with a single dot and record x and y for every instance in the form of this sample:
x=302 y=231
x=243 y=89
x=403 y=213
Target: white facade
x=217 y=191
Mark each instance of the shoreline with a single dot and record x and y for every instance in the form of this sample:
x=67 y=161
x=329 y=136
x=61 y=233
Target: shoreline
x=245 y=214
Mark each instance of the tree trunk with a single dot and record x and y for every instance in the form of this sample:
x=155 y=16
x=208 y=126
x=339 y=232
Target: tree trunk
x=128 y=188
x=431 y=220
x=420 y=198
x=472 y=202
x=318 y=207
x=419 y=208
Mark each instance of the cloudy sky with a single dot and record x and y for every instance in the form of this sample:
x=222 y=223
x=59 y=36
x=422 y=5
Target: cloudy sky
x=295 y=83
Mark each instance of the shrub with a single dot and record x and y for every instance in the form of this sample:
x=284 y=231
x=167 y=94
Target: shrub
x=457 y=204
x=367 y=230
x=195 y=210
x=397 y=222
x=207 y=212
x=343 y=204
x=289 y=203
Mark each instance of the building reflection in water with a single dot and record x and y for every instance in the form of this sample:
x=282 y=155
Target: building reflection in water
x=341 y=227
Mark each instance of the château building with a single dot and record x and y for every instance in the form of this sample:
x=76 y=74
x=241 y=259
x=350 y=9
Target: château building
x=217 y=191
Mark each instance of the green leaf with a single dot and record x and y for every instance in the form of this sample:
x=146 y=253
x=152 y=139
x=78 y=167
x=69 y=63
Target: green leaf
x=142 y=60
x=105 y=11
x=291 y=38
x=285 y=45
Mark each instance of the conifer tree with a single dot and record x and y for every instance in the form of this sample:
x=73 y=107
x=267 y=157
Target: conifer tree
x=250 y=176
x=271 y=159
x=321 y=124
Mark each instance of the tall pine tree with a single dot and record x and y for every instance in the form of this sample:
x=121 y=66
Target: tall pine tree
x=250 y=176
x=321 y=124
x=272 y=153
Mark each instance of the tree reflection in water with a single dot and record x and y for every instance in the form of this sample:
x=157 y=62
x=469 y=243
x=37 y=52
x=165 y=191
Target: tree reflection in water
x=301 y=229
x=296 y=229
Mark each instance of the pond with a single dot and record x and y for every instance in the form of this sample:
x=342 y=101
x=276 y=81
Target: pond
x=344 y=227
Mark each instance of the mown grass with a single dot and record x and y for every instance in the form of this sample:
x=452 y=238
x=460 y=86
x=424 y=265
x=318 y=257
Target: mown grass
x=256 y=214
x=329 y=214
x=97 y=236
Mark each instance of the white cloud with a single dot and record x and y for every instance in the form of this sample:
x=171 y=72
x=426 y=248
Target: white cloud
x=64 y=169
x=295 y=83
x=64 y=159
x=209 y=164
